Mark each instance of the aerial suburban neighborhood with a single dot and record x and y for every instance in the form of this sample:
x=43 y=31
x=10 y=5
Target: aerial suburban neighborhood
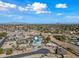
x=39 y=28
x=29 y=40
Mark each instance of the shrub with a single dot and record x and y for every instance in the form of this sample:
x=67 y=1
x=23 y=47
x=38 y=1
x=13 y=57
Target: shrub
x=39 y=46
x=61 y=38
x=1 y=51
x=70 y=49
x=3 y=34
x=9 y=51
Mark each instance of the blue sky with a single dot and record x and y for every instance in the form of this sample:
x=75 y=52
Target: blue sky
x=39 y=11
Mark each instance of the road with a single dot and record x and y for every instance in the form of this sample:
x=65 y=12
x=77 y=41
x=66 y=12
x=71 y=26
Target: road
x=67 y=45
x=40 y=51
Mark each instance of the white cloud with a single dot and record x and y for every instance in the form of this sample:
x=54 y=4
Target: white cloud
x=6 y=15
x=35 y=7
x=18 y=17
x=6 y=6
x=73 y=17
x=38 y=6
x=59 y=14
x=13 y=16
x=61 y=5
x=39 y=12
x=22 y=9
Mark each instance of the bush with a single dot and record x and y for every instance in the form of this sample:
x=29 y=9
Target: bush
x=1 y=51
x=61 y=38
x=9 y=51
x=39 y=46
x=47 y=39
x=70 y=49
x=3 y=34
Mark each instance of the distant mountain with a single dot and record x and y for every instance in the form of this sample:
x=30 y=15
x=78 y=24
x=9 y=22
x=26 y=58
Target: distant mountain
x=35 y=23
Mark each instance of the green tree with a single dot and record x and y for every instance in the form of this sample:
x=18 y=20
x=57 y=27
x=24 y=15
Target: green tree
x=1 y=51
x=3 y=34
x=9 y=51
x=48 y=39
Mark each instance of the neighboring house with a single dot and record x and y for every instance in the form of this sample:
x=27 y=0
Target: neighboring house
x=37 y=41
x=75 y=41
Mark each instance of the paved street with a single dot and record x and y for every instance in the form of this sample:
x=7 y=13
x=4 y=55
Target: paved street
x=40 y=51
x=66 y=45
